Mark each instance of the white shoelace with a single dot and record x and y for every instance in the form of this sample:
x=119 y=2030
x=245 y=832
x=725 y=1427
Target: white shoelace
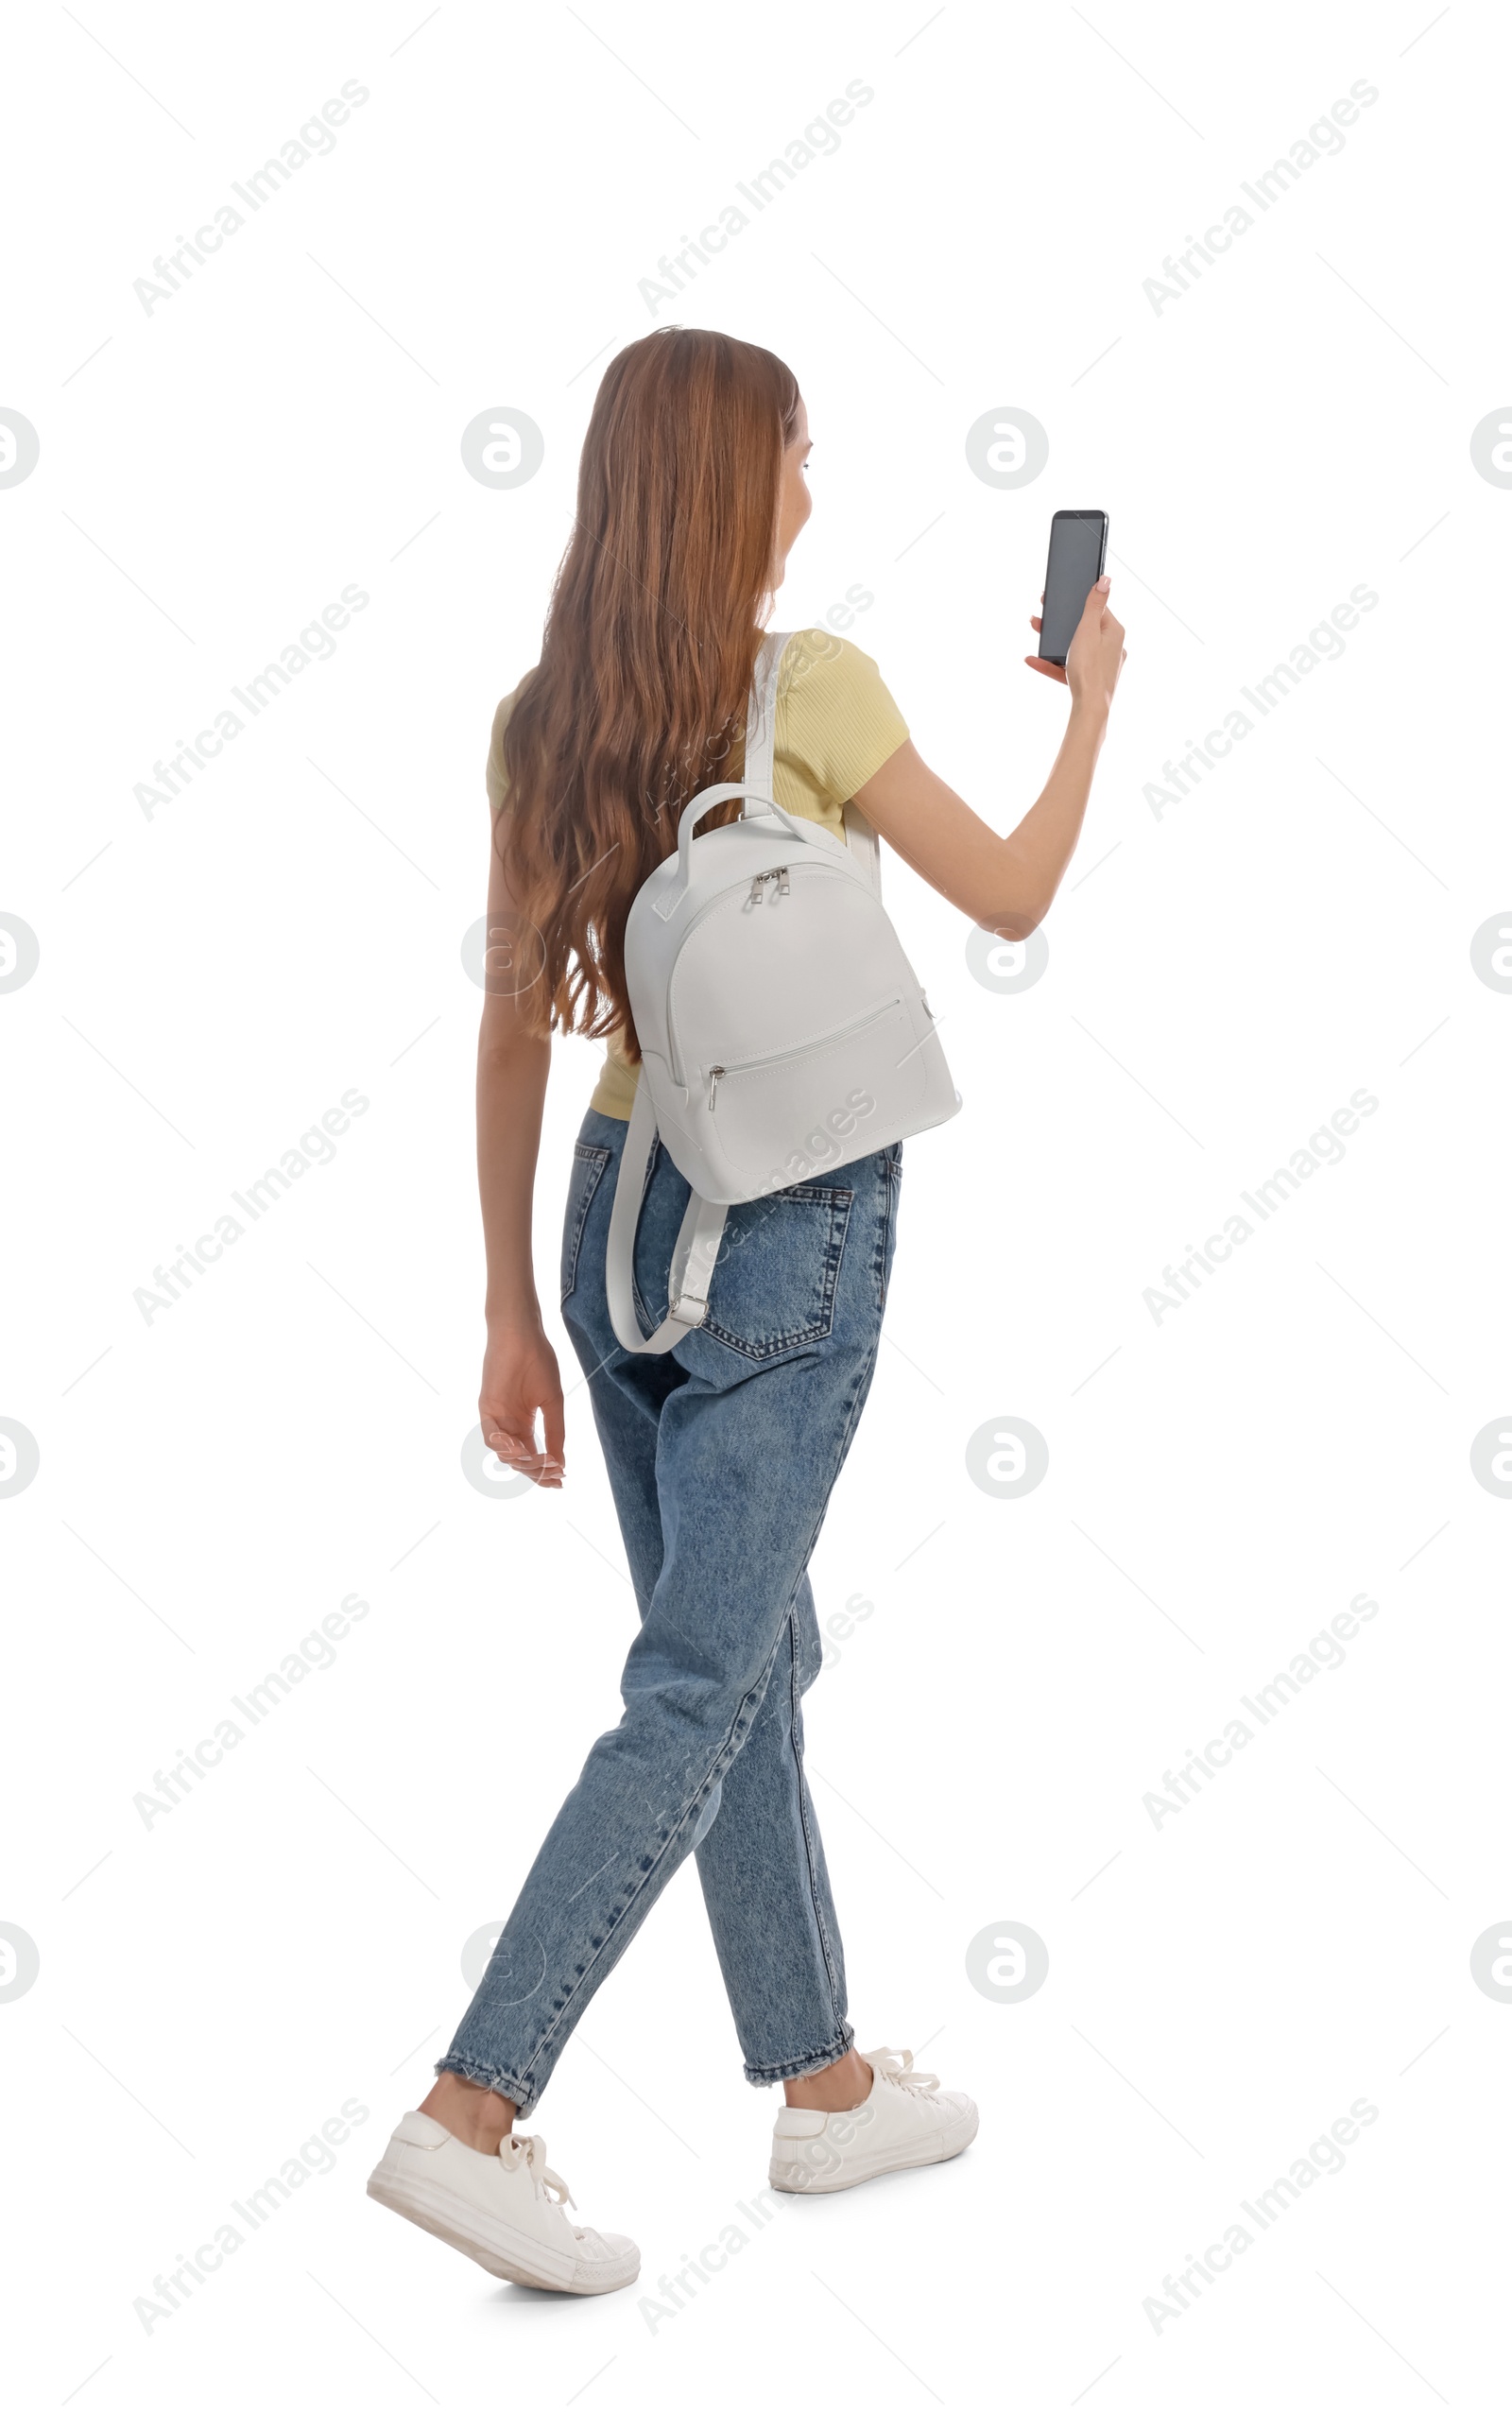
x=531 y=2150
x=897 y=2068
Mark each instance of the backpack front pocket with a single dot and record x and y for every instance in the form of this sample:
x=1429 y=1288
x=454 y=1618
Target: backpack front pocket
x=785 y=1117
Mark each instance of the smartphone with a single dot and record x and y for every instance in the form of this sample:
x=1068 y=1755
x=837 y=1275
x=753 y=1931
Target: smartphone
x=1078 y=544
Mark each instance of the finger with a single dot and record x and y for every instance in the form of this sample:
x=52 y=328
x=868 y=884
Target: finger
x=509 y=1439
x=554 y=1418
x=1035 y=622
x=1047 y=669
x=1093 y=607
x=537 y=1468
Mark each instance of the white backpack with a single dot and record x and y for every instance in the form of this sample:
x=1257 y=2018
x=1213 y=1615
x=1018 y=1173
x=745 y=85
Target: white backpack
x=782 y=1032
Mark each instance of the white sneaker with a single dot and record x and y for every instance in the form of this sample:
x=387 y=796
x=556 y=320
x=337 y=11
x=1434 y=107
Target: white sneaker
x=904 y=2123
x=503 y=2209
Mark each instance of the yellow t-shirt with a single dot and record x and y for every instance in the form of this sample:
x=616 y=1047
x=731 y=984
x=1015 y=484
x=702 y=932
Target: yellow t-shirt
x=837 y=724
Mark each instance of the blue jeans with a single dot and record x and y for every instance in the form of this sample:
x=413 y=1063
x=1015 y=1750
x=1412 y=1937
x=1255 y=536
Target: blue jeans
x=722 y=1455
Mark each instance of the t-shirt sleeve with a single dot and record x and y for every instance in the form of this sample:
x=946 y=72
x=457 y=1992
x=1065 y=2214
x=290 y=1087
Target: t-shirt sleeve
x=494 y=770
x=838 y=721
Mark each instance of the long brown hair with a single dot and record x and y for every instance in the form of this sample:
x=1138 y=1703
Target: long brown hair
x=650 y=642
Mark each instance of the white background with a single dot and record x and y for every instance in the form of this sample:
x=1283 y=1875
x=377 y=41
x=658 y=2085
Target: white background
x=1221 y=978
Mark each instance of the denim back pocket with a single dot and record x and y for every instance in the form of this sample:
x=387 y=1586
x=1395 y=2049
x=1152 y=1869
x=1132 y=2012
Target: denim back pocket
x=588 y=1171
x=778 y=1270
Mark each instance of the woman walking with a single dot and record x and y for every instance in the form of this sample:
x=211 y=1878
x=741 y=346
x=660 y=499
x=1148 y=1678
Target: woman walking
x=722 y=1452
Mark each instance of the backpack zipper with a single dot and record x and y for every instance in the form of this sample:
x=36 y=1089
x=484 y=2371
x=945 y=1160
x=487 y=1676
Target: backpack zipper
x=718 y=1072
x=716 y=904
x=764 y=878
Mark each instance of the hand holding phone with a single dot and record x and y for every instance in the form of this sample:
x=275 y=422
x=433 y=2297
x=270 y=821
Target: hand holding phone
x=1081 y=645
x=1078 y=546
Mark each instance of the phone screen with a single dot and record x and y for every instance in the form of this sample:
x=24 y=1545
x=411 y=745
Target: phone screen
x=1078 y=542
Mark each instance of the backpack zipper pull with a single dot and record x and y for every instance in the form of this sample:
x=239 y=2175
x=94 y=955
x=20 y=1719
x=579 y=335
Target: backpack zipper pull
x=781 y=881
x=717 y=1074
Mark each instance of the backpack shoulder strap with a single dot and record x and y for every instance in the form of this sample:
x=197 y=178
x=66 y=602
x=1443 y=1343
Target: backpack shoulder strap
x=760 y=746
x=864 y=843
x=693 y=1258
x=761 y=715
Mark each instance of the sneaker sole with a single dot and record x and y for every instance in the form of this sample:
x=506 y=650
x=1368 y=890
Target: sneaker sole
x=789 y=2178
x=528 y=2264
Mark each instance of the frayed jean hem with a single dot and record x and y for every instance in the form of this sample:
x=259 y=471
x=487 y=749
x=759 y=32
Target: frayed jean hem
x=810 y=2064
x=515 y=2089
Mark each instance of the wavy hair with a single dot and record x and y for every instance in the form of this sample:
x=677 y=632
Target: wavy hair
x=639 y=699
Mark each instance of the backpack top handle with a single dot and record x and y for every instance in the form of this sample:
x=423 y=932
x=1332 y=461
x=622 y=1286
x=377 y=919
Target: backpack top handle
x=724 y=792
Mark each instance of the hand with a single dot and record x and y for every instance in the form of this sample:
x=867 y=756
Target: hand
x=520 y=1378
x=1095 y=655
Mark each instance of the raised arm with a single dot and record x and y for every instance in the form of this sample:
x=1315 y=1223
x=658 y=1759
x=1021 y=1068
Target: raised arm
x=1007 y=883
x=520 y=1373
